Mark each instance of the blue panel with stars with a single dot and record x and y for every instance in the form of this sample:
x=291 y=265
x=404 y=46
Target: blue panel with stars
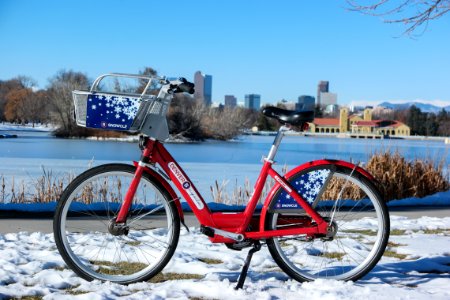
x=112 y=112
x=307 y=185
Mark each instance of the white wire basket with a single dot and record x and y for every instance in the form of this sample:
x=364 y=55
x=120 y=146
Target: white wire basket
x=121 y=111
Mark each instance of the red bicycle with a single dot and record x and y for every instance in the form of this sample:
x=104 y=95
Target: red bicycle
x=121 y=223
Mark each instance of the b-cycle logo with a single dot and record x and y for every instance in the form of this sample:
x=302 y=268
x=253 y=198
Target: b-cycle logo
x=104 y=124
x=186 y=185
x=173 y=167
x=286 y=187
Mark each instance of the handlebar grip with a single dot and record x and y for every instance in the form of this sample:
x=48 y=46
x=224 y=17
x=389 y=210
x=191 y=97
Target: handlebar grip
x=186 y=86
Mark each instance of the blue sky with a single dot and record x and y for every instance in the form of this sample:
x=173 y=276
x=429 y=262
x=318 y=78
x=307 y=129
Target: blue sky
x=279 y=49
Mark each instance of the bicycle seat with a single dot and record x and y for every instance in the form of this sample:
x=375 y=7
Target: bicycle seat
x=291 y=117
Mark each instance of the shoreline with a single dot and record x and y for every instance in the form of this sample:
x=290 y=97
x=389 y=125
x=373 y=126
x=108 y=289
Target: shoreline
x=135 y=138
x=355 y=136
x=26 y=210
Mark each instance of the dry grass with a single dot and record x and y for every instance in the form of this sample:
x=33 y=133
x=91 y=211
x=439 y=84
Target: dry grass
x=397 y=232
x=335 y=191
x=210 y=261
x=240 y=195
x=435 y=231
x=46 y=188
x=391 y=244
x=391 y=253
x=361 y=232
x=333 y=255
x=162 y=277
x=120 y=268
x=399 y=178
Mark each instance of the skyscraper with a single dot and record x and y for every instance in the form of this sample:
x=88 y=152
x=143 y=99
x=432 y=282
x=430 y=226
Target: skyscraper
x=230 y=101
x=323 y=87
x=253 y=101
x=328 y=99
x=203 y=87
x=305 y=103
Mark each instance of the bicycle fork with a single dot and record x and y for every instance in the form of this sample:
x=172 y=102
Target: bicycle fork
x=128 y=200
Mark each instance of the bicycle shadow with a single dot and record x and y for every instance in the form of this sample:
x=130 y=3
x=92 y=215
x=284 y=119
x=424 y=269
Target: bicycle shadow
x=409 y=273
x=253 y=275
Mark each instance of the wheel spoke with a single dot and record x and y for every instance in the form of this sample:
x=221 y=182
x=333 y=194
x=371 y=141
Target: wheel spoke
x=83 y=236
x=346 y=255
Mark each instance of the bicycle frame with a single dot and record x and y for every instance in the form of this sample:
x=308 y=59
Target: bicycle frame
x=154 y=152
x=317 y=200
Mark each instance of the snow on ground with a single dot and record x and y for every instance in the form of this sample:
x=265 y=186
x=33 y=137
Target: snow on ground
x=26 y=127
x=31 y=266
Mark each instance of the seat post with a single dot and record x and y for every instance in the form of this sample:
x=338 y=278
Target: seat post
x=276 y=142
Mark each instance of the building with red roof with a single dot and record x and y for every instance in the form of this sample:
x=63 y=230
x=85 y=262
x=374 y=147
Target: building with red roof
x=359 y=125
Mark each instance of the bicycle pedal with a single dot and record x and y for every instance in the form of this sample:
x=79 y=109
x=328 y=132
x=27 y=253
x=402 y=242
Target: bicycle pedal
x=211 y=232
x=208 y=231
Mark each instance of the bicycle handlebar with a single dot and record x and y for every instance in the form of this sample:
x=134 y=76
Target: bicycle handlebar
x=183 y=86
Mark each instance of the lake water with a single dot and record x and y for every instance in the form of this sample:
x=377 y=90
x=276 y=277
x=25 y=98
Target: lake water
x=25 y=157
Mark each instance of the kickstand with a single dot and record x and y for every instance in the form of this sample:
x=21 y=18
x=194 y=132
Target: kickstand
x=256 y=248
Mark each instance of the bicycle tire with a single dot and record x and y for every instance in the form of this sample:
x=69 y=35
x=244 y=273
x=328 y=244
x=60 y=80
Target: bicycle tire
x=360 y=225
x=85 y=211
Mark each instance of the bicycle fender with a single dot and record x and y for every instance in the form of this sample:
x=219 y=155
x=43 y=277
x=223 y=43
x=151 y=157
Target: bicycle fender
x=296 y=170
x=335 y=162
x=167 y=187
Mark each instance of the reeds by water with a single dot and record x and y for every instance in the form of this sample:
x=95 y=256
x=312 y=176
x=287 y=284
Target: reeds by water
x=397 y=178
x=46 y=188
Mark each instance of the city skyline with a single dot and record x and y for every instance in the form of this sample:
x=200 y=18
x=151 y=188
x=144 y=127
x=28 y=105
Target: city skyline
x=367 y=61
x=203 y=87
x=252 y=101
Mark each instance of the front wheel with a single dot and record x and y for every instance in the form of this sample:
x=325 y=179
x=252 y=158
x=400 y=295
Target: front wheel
x=95 y=249
x=359 y=231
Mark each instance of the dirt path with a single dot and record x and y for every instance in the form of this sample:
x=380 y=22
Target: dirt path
x=45 y=225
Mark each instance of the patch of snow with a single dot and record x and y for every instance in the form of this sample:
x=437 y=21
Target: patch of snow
x=438 y=199
x=27 y=127
x=30 y=265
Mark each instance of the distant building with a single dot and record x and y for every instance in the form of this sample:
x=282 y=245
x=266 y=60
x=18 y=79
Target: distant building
x=331 y=109
x=230 y=101
x=253 y=101
x=356 y=108
x=203 y=88
x=367 y=115
x=328 y=99
x=305 y=103
x=359 y=125
x=322 y=87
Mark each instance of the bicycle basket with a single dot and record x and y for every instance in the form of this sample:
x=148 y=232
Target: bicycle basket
x=110 y=111
x=122 y=111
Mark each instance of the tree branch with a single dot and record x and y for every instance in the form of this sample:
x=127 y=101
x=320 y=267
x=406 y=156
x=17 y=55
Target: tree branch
x=402 y=12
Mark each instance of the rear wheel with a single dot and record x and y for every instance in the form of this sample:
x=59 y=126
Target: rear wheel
x=359 y=231
x=91 y=244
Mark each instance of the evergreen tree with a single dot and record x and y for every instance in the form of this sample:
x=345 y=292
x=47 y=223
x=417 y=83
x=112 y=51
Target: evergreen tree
x=416 y=121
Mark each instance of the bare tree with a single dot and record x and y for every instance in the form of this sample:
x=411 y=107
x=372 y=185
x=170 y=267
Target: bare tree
x=36 y=110
x=184 y=118
x=413 y=13
x=60 y=98
x=225 y=123
x=16 y=105
x=15 y=84
x=153 y=88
